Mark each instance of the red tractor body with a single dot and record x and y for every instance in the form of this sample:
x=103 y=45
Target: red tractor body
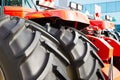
x=102 y=24
x=101 y=34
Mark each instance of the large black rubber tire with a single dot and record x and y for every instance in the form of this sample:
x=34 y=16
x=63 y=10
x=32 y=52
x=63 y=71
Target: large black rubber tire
x=111 y=34
x=81 y=53
x=118 y=34
x=28 y=52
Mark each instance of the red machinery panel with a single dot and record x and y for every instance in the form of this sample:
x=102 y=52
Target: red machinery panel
x=105 y=49
x=115 y=44
x=102 y=24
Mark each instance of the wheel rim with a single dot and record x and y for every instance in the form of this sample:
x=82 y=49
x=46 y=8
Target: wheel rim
x=1 y=75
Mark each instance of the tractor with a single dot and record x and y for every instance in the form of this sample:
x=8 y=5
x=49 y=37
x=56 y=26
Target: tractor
x=102 y=34
x=46 y=43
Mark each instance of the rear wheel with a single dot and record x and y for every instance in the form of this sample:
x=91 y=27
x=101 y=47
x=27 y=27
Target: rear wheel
x=28 y=52
x=81 y=53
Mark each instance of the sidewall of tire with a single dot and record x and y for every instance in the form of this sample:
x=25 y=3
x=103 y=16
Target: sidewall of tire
x=10 y=69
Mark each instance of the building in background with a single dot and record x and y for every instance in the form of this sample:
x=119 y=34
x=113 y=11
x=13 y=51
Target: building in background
x=108 y=7
x=63 y=3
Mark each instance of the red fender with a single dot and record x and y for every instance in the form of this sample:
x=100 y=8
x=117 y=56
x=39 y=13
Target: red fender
x=105 y=49
x=28 y=13
x=115 y=44
x=68 y=15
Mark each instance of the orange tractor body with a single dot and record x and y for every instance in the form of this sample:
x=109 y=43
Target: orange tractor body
x=107 y=47
x=17 y=11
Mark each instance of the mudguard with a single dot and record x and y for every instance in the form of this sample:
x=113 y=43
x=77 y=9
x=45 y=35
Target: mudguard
x=105 y=49
x=116 y=55
x=115 y=44
x=74 y=18
x=68 y=15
